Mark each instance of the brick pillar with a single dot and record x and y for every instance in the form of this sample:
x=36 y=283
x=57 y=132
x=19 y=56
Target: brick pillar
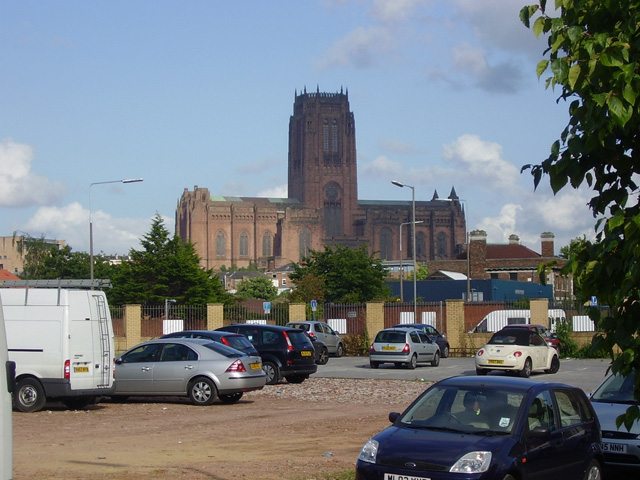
x=540 y=311
x=375 y=319
x=456 y=333
x=132 y=325
x=215 y=316
x=297 y=312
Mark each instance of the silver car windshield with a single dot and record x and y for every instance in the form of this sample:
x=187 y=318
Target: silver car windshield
x=616 y=389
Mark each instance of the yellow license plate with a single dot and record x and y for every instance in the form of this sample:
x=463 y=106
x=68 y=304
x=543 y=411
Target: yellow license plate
x=81 y=369
x=389 y=348
x=255 y=366
x=496 y=362
x=305 y=353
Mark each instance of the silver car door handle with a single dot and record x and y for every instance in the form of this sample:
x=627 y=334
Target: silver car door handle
x=188 y=367
x=145 y=369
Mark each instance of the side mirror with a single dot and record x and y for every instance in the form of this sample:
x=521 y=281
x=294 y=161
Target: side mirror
x=393 y=416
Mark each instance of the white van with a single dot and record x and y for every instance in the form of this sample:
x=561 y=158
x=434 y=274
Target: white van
x=498 y=319
x=7 y=384
x=62 y=342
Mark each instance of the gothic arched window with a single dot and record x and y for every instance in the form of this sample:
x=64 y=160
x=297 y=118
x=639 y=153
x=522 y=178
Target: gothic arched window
x=221 y=244
x=421 y=251
x=441 y=244
x=267 y=242
x=385 y=244
x=305 y=243
x=244 y=244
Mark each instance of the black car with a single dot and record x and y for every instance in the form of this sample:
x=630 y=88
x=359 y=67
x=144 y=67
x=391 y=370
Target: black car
x=286 y=352
x=488 y=428
x=432 y=333
x=233 y=340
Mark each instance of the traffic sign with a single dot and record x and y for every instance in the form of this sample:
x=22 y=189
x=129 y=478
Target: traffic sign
x=314 y=305
x=267 y=307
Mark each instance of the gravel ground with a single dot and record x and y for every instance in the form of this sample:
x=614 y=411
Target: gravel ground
x=285 y=431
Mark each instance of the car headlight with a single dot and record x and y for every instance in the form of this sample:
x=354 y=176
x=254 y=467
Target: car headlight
x=369 y=452
x=472 y=462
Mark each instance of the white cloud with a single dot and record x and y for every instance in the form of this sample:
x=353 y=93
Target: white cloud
x=362 y=48
x=280 y=191
x=395 y=10
x=395 y=146
x=499 y=228
x=19 y=186
x=71 y=223
x=381 y=167
x=481 y=162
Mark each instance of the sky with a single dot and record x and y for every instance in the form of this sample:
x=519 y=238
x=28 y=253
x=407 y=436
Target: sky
x=444 y=93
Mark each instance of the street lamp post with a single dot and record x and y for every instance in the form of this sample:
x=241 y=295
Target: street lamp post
x=401 y=268
x=413 y=235
x=126 y=180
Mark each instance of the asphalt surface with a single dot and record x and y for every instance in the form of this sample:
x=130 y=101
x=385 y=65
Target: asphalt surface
x=586 y=374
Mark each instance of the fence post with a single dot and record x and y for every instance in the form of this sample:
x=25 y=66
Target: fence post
x=374 y=321
x=215 y=316
x=132 y=325
x=456 y=333
x=297 y=312
x=540 y=311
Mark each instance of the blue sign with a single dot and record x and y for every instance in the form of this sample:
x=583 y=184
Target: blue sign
x=267 y=307
x=594 y=301
x=314 y=305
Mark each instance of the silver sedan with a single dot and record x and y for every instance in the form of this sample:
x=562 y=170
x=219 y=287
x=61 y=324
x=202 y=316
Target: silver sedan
x=203 y=370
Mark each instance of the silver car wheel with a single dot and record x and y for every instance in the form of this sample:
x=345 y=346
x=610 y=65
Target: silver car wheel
x=202 y=392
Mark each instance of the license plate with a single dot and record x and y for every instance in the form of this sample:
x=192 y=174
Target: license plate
x=496 y=362
x=255 y=366
x=614 y=447
x=305 y=353
x=81 y=369
x=393 y=476
x=388 y=348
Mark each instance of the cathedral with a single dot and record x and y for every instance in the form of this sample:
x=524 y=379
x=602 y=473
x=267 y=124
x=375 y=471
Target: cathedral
x=322 y=207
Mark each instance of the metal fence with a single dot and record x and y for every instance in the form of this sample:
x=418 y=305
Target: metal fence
x=252 y=311
x=156 y=321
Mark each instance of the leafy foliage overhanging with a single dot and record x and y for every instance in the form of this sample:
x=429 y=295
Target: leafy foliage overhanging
x=593 y=58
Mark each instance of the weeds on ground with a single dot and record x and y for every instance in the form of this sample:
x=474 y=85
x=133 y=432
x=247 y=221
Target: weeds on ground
x=338 y=475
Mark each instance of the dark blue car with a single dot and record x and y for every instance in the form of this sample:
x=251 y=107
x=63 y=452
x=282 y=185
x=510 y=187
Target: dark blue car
x=494 y=427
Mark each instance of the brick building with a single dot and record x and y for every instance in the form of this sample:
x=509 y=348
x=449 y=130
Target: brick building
x=322 y=207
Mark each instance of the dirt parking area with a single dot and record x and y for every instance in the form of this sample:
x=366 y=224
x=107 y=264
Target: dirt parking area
x=284 y=431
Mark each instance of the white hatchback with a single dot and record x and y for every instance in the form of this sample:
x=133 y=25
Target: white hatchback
x=517 y=350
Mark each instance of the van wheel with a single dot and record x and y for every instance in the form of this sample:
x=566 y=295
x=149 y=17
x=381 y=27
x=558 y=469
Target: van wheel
x=29 y=395
x=272 y=371
x=78 y=403
x=202 y=391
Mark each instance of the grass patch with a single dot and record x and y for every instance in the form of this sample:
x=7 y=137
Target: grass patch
x=337 y=475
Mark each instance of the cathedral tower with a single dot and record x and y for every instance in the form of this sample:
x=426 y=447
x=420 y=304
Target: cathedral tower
x=322 y=159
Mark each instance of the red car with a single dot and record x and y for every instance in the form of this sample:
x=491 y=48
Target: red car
x=551 y=338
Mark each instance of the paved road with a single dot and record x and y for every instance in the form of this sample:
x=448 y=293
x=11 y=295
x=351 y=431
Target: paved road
x=586 y=374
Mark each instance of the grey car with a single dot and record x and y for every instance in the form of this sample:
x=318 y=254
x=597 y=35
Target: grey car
x=611 y=399
x=403 y=346
x=203 y=370
x=323 y=332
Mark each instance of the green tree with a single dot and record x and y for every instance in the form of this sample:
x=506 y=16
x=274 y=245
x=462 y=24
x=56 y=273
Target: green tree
x=309 y=287
x=257 y=287
x=34 y=252
x=349 y=275
x=592 y=58
x=167 y=267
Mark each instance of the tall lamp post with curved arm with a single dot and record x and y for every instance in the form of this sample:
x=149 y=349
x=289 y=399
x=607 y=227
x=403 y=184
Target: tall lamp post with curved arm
x=413 y=235
x=126 y=180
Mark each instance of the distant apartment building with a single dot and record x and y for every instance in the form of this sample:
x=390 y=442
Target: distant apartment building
x=13 y=250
